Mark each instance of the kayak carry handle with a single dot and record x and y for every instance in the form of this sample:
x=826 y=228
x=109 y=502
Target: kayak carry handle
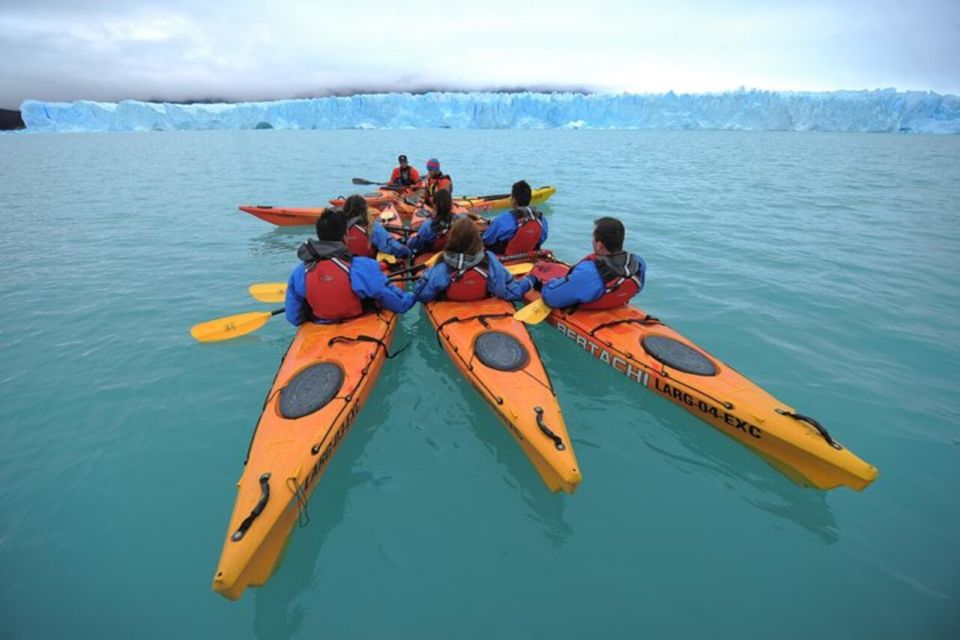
x=816 y=425
x=257 y=510
x=557 y=441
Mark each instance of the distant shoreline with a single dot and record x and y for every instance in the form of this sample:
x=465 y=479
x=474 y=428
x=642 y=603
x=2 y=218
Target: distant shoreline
x=10 y=120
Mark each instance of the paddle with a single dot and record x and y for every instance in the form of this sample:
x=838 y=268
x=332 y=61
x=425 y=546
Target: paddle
x=232 y=327
x=277 y=291
x=387 y=187
x=386 y=257
x=534 y=313
x=268 y=291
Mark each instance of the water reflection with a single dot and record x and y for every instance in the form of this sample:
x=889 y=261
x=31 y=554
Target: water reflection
x=279 y=240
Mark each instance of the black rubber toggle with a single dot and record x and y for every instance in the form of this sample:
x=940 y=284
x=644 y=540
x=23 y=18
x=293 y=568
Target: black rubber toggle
x=679 y=356
x=257 y=510
x=501 y=351
x=310 y=390
x=557 y=440
x=816 y=425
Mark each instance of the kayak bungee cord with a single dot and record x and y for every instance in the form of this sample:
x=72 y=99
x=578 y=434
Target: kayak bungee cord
x=646 y=320
x=363 y=338
x=303 y=518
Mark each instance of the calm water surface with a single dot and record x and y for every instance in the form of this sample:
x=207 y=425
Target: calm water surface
x=823 y=266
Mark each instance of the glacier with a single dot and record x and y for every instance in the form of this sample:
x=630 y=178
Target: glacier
x=883 y=110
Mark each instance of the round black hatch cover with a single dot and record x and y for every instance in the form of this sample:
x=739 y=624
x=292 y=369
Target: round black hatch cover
x=678 y=355
x=311 y=389
x=500 y=351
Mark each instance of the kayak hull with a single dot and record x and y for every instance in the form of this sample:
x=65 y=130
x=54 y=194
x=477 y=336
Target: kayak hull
x=285 y=216
x=520 y=392
x=502 y=201
x=294 y=440
x=630 y=341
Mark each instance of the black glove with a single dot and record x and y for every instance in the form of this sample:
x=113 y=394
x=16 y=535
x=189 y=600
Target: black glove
x=537 y=282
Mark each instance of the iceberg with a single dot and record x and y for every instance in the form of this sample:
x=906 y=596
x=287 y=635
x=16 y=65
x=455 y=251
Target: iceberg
x=884 y=110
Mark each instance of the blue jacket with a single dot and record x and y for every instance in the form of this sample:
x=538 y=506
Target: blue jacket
x=500 y=282
x=582 y=284
x=383 y=241
x=366 y=280
x=504 y=227
x=426 y=236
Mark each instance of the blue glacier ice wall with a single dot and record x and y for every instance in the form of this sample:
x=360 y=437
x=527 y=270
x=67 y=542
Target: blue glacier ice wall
x=752 y=110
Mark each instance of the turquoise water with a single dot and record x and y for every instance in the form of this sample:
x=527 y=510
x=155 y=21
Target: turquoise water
x=823 y=266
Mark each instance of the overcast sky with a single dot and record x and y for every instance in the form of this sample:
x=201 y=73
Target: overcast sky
x=252 y=49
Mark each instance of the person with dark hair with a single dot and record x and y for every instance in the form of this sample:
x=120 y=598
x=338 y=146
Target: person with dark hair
x=404 y=175
x=365 y=235
x=607 y=278
x=468 y=272
x=332 y=285
x=436 y=181
x=434 y=233
x=520 y=230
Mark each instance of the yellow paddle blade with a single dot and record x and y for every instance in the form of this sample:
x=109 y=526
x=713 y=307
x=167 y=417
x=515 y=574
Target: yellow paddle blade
x=534 y=313
x=231 y=326
x=269 y=291
x=520 y=269
x=433 y=260
x=386 y=257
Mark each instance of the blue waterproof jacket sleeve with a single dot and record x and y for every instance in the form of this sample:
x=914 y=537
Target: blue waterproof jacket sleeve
x=582 y=284
x=503 y=227
x=545 y=232
x=368 y=281
x=434 y=282
x=295 y=305
x=424 y=238
x=384 y=242
x=501 y=283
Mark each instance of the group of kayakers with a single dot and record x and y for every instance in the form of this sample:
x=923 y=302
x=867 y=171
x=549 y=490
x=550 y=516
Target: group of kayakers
x=339 y=277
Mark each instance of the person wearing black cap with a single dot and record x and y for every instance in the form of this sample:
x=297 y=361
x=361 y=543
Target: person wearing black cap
x=404 y=175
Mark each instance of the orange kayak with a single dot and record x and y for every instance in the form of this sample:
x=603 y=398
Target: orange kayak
x=650 y=353
x=496 y=355
x=285 y=216
x=323 y=381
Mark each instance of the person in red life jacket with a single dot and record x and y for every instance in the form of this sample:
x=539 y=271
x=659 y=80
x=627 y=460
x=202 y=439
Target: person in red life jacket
x=605 y=279
x=332 y=285
x=467 y=272
x=521 y=230
x=434 y=233
x=366 y=236
x=435 y=182
x=404 y=175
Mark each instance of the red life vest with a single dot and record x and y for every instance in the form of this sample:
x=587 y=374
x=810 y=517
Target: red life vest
x=358 y=241
x=469 y=284
x=529 y=232
x=329 y=293
x=434 y=184
x=618 y=288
